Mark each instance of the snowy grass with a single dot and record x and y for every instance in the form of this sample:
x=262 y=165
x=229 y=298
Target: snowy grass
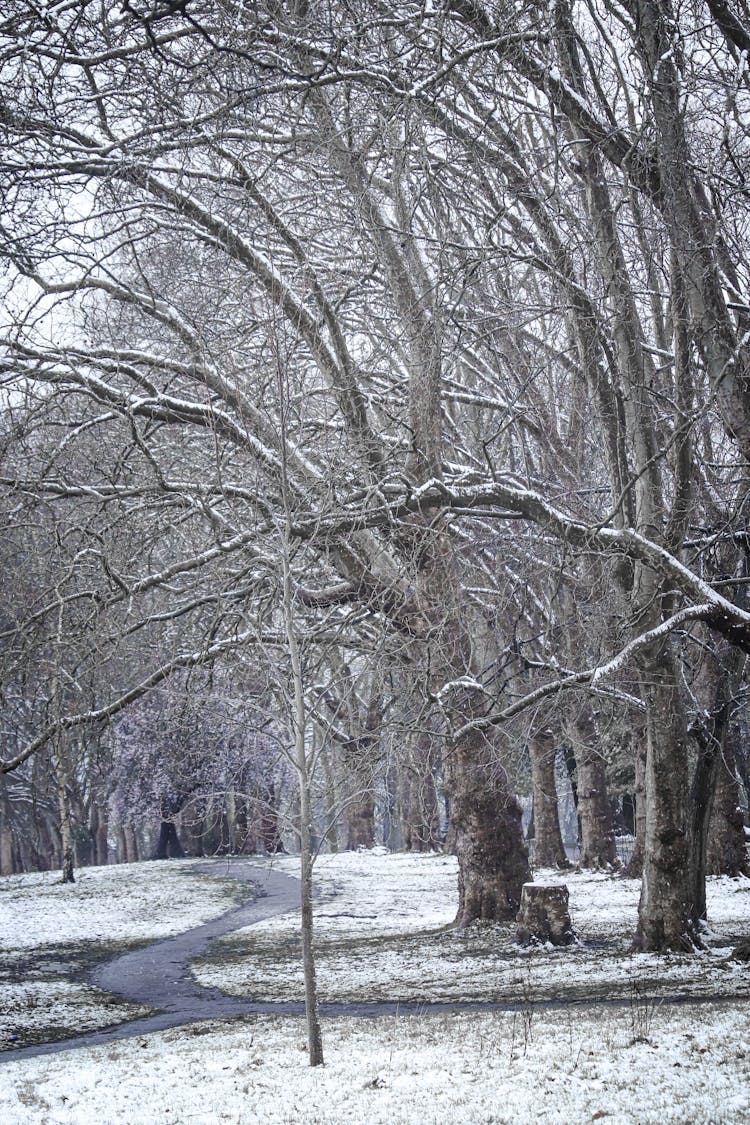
x=463 y=1069
x=383 y=929
x=125 y=902
x=55 y=1009
x=51 y=932
x=383 y=933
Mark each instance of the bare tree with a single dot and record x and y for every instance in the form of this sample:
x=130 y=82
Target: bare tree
x=525 y=346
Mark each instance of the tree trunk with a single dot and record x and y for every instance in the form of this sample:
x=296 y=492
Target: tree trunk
x=635 y=866
x=231 y=821
x=666 y=912
x=486 y=829
x=486 y=825
x=6 y=832
x=627 y=814
x=299 y=723
x=331 y=803
x=594 y=810
x=224 y=828
x=168 y=846
x=268 y=823
x=6 y=850
x=549 y=850
x=99 y=828
x=420 y=821
x=6 y=847
x=360 y=800
x=132 y=851
x=392 y=836
x=245 y=841
x=544 y=916
x=299 y=726
x=701 y=792
x=727 y=851
x=712 y=736
x=66 y=836
x=360 y=820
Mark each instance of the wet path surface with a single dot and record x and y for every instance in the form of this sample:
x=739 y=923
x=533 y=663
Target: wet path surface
x=158 y=976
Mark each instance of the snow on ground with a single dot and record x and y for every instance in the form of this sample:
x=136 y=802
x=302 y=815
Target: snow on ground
x=53 y=1009
x=124 y=902
x=50 y=931
x=382 y=926
x=382 y=930
x=465 y=1069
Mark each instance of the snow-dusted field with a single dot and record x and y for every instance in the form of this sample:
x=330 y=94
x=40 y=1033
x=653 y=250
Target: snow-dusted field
x=383 y=934
x=126 y=902
x=381 y=926
x=465 y=1069
x=48 y=931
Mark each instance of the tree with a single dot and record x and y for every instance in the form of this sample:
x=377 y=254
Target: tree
x=524 y=352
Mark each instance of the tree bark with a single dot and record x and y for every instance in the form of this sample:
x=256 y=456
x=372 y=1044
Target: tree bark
x=132 y=850
x=420 y=822
x=727 y=849
x=299 y=727
x=267 y=828
x=360 y=821
x=360 y=809
x=331 y=802
x=712 y=734
x=543 y=916
x=233 y=842
x=99 y=825
x=635 y=866
x=549 y=849
x=486 y=825
x=594 y=810
x=168 y=845
x=6 y=832
x=726 y=846
x=6 y=851
x=666 y=911
x=66 y=836
x=701 y=793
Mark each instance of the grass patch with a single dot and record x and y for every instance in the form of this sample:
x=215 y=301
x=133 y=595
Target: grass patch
x=481 y=963
x=45 y=997
x=67 y=961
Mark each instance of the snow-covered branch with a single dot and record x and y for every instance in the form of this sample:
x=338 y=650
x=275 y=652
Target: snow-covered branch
x=120 y=702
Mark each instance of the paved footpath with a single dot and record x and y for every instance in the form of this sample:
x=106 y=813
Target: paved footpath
x=158 y=975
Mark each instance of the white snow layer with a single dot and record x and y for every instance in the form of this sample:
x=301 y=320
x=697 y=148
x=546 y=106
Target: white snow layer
x=125 y=902
x=640 y=1062
x=382 y=925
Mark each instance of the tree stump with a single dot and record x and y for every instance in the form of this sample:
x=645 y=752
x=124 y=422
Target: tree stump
x=741 y=952
x=544 y=916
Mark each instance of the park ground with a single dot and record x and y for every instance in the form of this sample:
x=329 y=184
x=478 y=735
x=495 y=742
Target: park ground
x=591 y=1032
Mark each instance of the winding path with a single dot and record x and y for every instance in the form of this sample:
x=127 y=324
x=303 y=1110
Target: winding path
x=158 y=976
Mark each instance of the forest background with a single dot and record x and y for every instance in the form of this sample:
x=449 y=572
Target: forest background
x=375 y=433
